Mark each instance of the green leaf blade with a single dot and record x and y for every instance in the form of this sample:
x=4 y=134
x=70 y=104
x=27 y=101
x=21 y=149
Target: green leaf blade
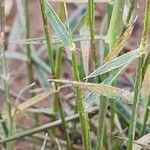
x=116 y=63
x=60 y=29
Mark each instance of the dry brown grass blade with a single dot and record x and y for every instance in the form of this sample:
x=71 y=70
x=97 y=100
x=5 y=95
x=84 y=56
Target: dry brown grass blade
x=120 y=44
x=143 y=141
x=32 y=101
x=105 y=90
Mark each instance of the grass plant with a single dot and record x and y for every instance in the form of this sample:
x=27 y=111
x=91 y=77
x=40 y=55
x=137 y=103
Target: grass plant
x=96 y=113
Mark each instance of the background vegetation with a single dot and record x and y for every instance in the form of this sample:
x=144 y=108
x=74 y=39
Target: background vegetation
x=90 y=107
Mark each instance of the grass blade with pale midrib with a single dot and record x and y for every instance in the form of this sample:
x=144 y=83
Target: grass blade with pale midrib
x=116 y=63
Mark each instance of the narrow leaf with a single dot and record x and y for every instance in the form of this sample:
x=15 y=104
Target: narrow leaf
x=91 y=19
x=41 y=75
x=116 y=24
x=59 y=27
x=38 y=61
x=116 y=63
x=32 y=101
x=104 y=90
x=93 y=96
x=146 y=28
x=120 y=44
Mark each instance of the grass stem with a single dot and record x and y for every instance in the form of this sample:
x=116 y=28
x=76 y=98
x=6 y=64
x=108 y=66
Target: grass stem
x=28 y=53
x=138 y=81
x=139 y=74
x=8 y=125
x=28 y=47
x=46 y=126
x=4 y=63
x=55 y=73
x=131 y=8
x=145 y=116
x=81 y=107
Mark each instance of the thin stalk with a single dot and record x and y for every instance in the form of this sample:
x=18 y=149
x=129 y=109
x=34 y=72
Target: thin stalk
x=138 y=82
x=112 y=102
x=64 y=123
x=49 y=48
x=28 y=46
x=5 y=75
x=55 y=72
x=62 y=114
x=81 y=107
x=116 y=23
x=8 y=125
x=47 y=37
x=109 y=13
x=102 y=118
x=62 y=15
x=28 y=54
x=114 y=33
x=145 y=67
x=58 y=62
x=139 y=74
x=91 y=19
x=103 y=100
x=91 y=23
x=114 y=14
x=84 y=122
x=146 y=29
x=4 y=125
x=107 y=139
x=146 y=64
x=132 y=6
x=46 y=126
x=145 y=116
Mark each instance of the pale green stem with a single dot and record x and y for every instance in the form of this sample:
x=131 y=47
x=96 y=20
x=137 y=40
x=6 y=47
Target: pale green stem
x=55 y=72
x=81 y=107
x=139 y=75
